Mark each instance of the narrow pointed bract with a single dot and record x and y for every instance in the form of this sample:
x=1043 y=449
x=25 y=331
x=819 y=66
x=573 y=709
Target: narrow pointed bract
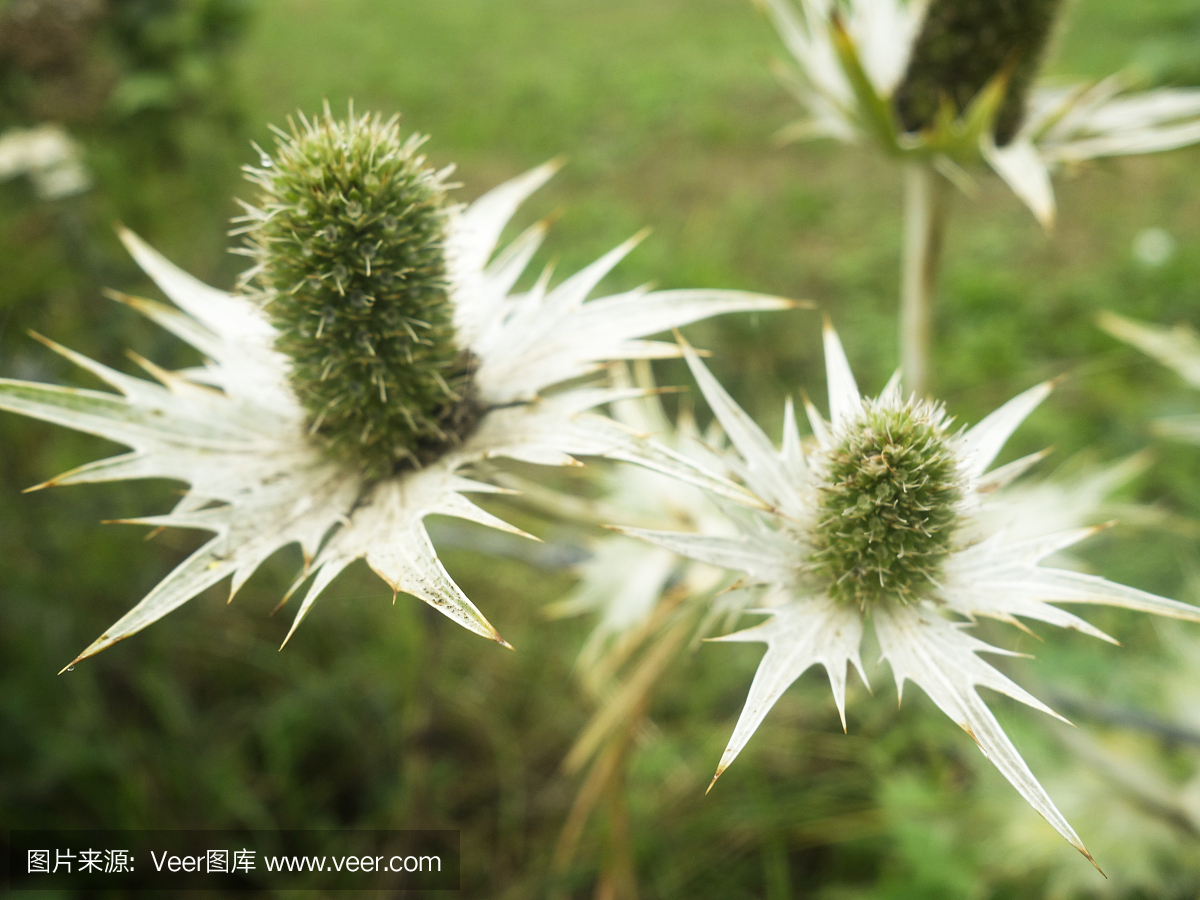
x=266 y=468
x=885 y=518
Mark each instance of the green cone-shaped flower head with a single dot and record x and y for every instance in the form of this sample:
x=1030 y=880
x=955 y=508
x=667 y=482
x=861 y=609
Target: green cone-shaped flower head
x=964 y=44
x=348 y=238
x=887 y=506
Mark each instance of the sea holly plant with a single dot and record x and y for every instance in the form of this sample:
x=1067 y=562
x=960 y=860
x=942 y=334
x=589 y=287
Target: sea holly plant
x=884 y=517
x=376 y=351
x=944 y=85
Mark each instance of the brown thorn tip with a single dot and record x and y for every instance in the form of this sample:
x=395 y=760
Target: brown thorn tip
x=714 y=781
x=1082 y=849
x=71 y=664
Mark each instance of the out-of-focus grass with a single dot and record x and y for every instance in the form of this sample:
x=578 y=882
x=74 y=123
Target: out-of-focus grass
x=388 y=716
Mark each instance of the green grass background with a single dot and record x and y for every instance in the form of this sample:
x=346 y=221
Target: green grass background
x=387 y=716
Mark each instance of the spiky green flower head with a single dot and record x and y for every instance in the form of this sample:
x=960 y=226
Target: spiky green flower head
x=963 y=45
x=887 y=506
x=348 y=239
x=886 y=518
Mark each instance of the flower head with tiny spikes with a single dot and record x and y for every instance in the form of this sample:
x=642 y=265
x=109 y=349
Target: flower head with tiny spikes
x=373 y=356
x=885 y=518
x=952 y=81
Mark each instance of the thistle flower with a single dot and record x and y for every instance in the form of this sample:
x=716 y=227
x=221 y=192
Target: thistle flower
x=884 y=519
x=374 y=355
x=951 y=81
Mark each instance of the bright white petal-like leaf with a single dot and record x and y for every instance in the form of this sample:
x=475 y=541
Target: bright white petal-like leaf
x=765 y=471
x=518 y=364
x=1024 y=170
x=844 y=399
x=922 y=647
x=982 y=443
x=802 y=634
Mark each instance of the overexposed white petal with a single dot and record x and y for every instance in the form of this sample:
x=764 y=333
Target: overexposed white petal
x=935 y=654
x=802 y=634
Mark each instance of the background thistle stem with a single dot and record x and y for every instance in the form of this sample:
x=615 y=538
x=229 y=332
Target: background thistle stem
x=925 y=209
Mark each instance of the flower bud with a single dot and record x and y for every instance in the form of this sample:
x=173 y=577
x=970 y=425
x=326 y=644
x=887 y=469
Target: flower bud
x=962 y=45
x=348 y=242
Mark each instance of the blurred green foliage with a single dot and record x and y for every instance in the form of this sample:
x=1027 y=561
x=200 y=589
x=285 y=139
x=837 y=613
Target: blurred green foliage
x=385 y=716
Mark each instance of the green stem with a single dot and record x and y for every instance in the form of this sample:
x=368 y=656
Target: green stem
x=925 y=209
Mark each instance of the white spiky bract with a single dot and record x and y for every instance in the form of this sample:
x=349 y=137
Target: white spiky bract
x=234 y=432
x=846 y=92
x=984 y=574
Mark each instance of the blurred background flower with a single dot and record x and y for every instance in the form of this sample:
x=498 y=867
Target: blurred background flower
x=666 y=111
x=952 y=81
x=941 y=85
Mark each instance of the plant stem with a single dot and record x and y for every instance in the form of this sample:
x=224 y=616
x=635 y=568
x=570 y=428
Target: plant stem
x=924 y=225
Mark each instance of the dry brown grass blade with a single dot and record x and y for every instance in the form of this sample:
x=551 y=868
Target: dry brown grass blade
x=629 y=699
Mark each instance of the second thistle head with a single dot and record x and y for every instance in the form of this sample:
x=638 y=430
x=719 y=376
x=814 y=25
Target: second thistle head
x=962 y=46
x=348 y=242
